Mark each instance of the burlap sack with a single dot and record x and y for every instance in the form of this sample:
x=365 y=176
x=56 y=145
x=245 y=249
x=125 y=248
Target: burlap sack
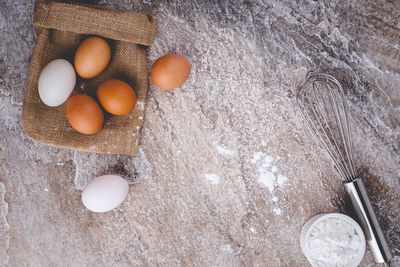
x=62 y=27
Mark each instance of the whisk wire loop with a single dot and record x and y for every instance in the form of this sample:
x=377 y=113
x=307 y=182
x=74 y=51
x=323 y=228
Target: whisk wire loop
x=325 y=145
x=322 y=104
x=345 y=154
x=328 y=131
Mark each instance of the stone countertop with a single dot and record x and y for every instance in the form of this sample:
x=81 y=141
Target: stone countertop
x=226 y=173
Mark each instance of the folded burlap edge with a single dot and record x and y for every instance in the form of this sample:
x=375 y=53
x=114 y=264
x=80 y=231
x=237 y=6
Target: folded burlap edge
x=109 y=23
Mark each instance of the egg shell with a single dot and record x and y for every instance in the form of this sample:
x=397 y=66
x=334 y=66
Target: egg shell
x=84 y=114
x=105 y=193
x=56 y=82
x=117 y=97
x=170 y=71
x=92 y=57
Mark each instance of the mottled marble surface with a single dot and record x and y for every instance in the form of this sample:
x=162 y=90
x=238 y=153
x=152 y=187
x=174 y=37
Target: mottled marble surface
x=226 y=173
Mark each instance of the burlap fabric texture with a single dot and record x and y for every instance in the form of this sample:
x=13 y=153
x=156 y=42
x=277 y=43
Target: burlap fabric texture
x=62 y=27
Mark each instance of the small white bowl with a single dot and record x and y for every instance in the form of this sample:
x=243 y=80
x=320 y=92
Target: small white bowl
x=310 y=224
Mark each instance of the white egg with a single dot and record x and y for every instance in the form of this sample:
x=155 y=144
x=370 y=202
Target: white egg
x=56 y=82
x=105 y=193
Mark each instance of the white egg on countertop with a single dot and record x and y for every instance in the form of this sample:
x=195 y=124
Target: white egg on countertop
x=105 y=193
x=56 y=82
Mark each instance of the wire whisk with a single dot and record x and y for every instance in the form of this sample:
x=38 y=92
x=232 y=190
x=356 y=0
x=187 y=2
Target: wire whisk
x=324 y=108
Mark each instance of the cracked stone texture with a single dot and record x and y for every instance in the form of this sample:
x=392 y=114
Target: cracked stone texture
x=226 y=173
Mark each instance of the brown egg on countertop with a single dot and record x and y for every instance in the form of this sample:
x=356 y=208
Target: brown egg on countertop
x=170 y=71
x=92 y=57
x=116 y=97
x=84 y=114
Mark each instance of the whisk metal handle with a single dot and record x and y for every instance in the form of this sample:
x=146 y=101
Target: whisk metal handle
x=369 y=223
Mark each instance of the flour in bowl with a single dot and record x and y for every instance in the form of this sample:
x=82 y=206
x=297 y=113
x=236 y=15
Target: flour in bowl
x=333 y=242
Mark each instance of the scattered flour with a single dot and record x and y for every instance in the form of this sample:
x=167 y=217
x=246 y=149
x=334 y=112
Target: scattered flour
x=268 y=179
x=257 y=156
x=268 y=160
x=268 y=173
x=212 y=177
x=281 y=179
x=224 y=151
x=277 y=211
x=227 y=248
x=263 y=143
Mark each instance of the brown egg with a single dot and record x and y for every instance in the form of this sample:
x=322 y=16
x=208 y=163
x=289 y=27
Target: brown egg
x=92 y=57
x=116 y=96
x=84 y=114
x=170 y=71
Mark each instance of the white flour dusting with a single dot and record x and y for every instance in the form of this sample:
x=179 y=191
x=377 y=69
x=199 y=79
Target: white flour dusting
x=224 y=151
x=268 y=173
x=227 y=248
x=281 y=179
x=269 y=176
x=277 y=211
x=212 y=177
x=257 y=156
x=268 y=179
